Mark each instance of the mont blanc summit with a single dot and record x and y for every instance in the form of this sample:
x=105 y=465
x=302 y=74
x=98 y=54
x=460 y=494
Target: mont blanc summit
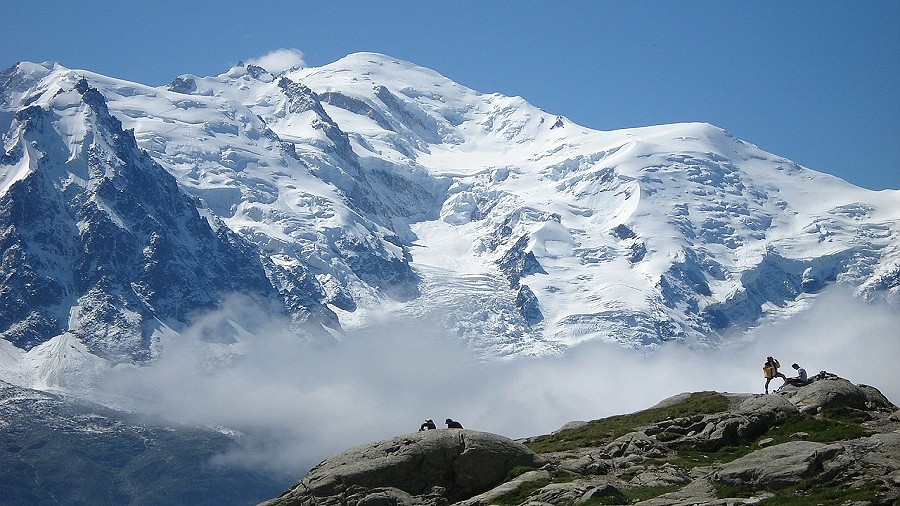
x=332 y=196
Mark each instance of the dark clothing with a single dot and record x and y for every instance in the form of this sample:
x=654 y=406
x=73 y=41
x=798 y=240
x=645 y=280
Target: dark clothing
x=770 y=370
x=772 y=364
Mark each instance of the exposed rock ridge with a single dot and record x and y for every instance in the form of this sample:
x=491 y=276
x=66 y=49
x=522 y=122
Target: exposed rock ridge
x=830 y=442
x=429 y=467
x=118 y=224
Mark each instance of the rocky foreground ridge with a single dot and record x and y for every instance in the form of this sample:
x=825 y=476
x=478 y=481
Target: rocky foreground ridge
x=829 y=442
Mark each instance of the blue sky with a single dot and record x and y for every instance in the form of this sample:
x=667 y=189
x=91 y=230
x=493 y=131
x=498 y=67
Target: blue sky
x=815 y=81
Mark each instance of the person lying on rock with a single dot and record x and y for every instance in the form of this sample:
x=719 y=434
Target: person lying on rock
x=452 y=424
x=800 y=380
x=770 y=370
x=427 y=425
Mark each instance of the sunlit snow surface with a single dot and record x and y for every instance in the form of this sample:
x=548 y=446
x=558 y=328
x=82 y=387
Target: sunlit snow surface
x=688 y=192
x=636 y=233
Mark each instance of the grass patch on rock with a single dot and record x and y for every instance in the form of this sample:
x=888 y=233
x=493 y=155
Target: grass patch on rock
x=689 y=456
x=819 y=429
x=518 y=471
x=599 y=432
x=645 y=493
x=628 y=495
x=522 y=493
x=812 y=491
x=530 y=487
x=837 y=493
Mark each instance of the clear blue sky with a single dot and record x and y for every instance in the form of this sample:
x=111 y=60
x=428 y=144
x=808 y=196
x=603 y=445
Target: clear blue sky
x=815 y=81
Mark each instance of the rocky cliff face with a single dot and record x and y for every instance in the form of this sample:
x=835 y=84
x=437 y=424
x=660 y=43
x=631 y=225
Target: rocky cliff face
x=830 y=442
x=99 y=240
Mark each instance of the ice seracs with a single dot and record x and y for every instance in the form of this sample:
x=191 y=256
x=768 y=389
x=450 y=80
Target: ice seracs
x=373 y=185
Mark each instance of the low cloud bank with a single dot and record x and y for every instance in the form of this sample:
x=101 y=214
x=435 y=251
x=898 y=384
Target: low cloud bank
x=297 y=404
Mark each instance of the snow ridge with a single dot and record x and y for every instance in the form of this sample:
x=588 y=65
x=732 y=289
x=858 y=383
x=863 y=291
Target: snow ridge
x=373 y=185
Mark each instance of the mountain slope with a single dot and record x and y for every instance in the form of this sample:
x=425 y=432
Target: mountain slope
x=638 y=236
x=372 y=187
x=98 y=239
x=56 y=450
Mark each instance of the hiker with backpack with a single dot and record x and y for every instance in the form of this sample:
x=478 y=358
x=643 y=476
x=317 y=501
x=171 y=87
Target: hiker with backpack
x=770 y=370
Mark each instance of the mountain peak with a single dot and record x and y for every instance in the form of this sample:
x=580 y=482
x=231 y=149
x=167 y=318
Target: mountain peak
x=373 y=183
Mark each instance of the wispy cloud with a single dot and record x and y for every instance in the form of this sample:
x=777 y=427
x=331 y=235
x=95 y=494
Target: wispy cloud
x=279 y=60
x=297 y=404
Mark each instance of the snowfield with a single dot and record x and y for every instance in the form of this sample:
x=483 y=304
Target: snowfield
x=372 y=188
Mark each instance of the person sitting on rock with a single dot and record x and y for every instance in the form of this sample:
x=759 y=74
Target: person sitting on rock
x=453 y=424
x=801 y=379
x=428 y=425
x=770 y=370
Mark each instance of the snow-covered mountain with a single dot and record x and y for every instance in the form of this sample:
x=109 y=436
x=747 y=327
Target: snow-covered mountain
x=372 y=188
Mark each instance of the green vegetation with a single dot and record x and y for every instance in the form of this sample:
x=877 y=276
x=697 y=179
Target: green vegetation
x=521 y=493
x=847 y=414
x=825 y=494
x=529 y=487
x=811 y=491
x=690 y=456
x=725 y=491
x=610 y=496
x=822 y=430
x=518 y=471
x=831 y=425
x=598 y=432
x=644 y=493
x=819 y=429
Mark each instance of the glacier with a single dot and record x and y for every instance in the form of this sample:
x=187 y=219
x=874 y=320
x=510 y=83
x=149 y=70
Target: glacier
x=373 y=188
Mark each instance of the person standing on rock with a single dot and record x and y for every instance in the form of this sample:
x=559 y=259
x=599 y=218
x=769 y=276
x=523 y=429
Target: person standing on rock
x=427 y=425
x=770 y=370
x=453 y=424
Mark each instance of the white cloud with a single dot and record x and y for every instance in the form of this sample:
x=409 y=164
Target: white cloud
x=297 y=404
x=279 y=60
